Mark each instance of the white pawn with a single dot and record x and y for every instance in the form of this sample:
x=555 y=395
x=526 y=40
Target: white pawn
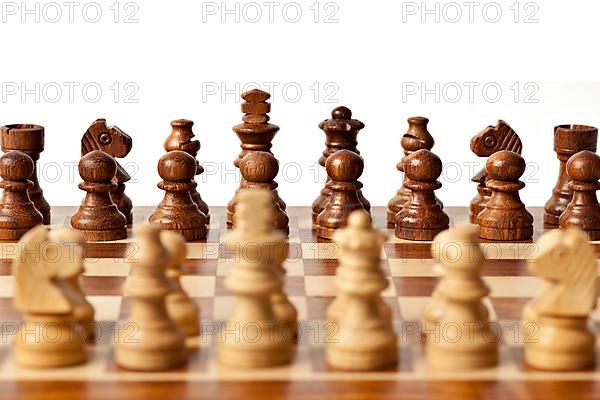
x=466 y=340
x=365 y=339
x=149 y=340
x=183 y=310
x=83 y=311
x=47 y=303
x=255 y=336
x=563 y=340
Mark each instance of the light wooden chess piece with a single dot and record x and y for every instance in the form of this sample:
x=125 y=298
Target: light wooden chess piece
x=466 y=340
x=183 y=310
x=149 y=340
x=255 y=336
x=365 y=249
x=437 y=305
x=74 y=242
x=50 y=335
x=365 y=340
x=563 y=341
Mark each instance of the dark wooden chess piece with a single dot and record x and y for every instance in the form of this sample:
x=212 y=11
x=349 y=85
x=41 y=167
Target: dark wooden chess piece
x=117 y=144
x=487 y=142
x=416 y=138
x=583 y=210
x=422 y=217
x=18 y=214
x=181 y=138
x=98 y=218
x=344 y=168
x=255 y=134
x=177 y=211
x=259 y=169
x=340 y=134
x=568 y=140
x=29 y=139
x=504 y=216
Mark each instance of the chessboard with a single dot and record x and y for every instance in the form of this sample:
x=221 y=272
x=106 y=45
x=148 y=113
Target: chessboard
x=310 y=269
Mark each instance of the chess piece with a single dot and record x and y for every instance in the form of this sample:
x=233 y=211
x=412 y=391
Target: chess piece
x=583 y=170
x=365 y=340
x=434 y=311
x=183 y=310
x=566 y=261
x=177 y=211
x=98 y=217
x=463 y=291
x=505 y=216
x=363 y=250
x=17 y=212
x=344 y=168
x=259 y=169
x=340 y=134
x=253 y=281
x=255 y=134
x=568 y=140
x=148 y=339
x=45 y=300
x=422 y=217
x=117 y=144
x=29 y=139
x=181 y=138
x=487 y=142
x=416 y=138
x=83 y=312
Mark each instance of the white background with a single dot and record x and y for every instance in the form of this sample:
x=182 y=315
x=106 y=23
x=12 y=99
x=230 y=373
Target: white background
x=178 y=52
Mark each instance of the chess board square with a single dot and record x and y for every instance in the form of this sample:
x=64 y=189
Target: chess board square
x=199 y=267
x=5 y=267
x=324 y=286
x=106 y=267
x=102 y=285
x=107 y=308
x=292 y=267
x=203 y=251
x=7 y=286
x=513 y=286
x=198 y=286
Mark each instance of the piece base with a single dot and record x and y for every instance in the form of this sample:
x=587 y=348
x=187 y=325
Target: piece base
x=13 y=234
x=345 y=360
x=150 y=360
x=421 y=235
x=105 y=236
x=505 y=235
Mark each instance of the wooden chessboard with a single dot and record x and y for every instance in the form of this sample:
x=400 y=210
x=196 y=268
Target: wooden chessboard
x=310 y=285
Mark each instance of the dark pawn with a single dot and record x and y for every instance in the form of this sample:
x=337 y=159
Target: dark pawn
x=181 y=139
x=17 y=212
x=29 y=139
x=340 y=134
x=259 y=170
x=505 y=216
x=98 y=217
x=177 y=211
x=344 y=168
x=255 y=134
x=422 y=217
x=568 y=140
x=416 y=138
x=583 y=211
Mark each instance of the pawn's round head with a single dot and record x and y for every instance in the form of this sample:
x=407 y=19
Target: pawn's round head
x=341 y=113
x=259 y=166
x=505 y=165
x=359 y=219
x=458 y=248
x=584 y=166
x=422 y=165
x=16 y=166
x=177 y=166
x=97 y=167
x=344 y=165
